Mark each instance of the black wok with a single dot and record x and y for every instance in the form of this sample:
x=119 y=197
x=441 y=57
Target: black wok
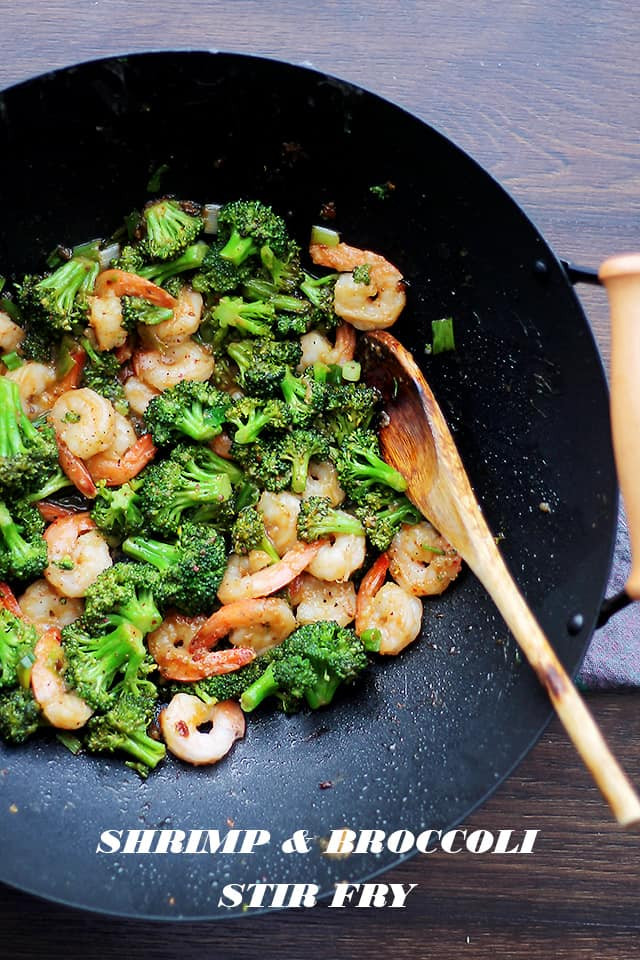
x=428 y=736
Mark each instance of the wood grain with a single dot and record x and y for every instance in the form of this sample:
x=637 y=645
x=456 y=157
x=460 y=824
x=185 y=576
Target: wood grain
x=545 y=97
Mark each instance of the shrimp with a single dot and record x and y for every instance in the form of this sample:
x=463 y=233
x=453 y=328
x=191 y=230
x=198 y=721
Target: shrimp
x=258 y=624
x=318 y=600
x=180 y=723
x=366 y=306
x=63 y=708
x=45 y=608
x=161 y=369
x=322 y=481
x=338 y=560
x=169 y=647
x=102 y=465
x=34 y=380
x=317 y=349
x=11 y=335
x=421 y=561
x=138 y=395
x=105 y=319
x=396 y=614
x=129 y=465
x=84 y=421
x=280 y=513
x=238 y=585
x=184 y=322
x=76 y=471
x=77 y=554
x=119 y=283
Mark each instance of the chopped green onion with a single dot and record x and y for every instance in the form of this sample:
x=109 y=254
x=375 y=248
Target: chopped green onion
x=67 y=740
x=12 y=360
x=3 y=280
x=371 y=639
x=23 y=669
x=351 y=371
x=382 y=190
x=425 y=546
x=443 y=335
x=325 y=236
x=10 y=308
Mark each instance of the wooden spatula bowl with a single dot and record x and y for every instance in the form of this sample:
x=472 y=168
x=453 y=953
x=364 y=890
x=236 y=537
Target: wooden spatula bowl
x=417 y=442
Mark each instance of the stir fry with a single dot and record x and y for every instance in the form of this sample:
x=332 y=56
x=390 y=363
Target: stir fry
x=195 y=516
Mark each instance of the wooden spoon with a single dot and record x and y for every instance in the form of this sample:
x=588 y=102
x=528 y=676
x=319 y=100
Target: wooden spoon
x=418 y=443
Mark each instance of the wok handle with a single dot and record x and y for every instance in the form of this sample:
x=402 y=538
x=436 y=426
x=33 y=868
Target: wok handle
x=621 y=277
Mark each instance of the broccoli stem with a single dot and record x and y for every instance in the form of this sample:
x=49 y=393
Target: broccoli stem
x=144 y=748
x=11 y=536
x=11 y=415
x=159 y=555
x=57 y=482
x=322 y=693
x=237 y=248
x=265 y=686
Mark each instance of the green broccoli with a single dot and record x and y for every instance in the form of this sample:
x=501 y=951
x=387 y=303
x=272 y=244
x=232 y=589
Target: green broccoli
x=227 y=686
x=55 y=482
x=263 y=464
x=248 y=533
x=309 y=665
x=304 y=397
x=183 y=487
x=23 y=549
x=170 y=226
x=57 y=303
x=17 y=640
x=192 y=408
x=135 y=310
x=348 y=407
x=28 y=455
x=124 y=728
x=262 y=364
x=383 y=513
x=244 y=226
x=191 y=568
x=251 y=417
x=359 y=465
x=101 y=373
x=254 y=318
x=116 y=510
x=20 y=715
x=318 y=519
x=161 y=273
x=218 y=275
x=299 y=447
x=320 y=291
x=285 y=272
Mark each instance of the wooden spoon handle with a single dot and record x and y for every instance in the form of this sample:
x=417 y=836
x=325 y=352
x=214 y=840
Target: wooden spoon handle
x=573 y=712
x=621 y=276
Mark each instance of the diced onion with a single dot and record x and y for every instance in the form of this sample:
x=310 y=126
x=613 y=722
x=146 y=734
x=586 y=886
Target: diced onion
x=210 y=213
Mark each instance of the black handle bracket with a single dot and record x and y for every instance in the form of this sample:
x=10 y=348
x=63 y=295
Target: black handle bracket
x=578 y=274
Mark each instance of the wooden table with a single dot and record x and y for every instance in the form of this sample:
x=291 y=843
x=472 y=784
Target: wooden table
x=545 y=97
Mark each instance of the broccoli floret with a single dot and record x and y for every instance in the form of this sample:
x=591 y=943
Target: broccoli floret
x=348 y=407
x=116 y=510
x=255 y=318
x=123 y=592
x=251 y=417
x=227 y=686
x=135 y=310
x=249 y=533
x=37 y=345
x=173 y=491
x=317 y=519
x=20 y=715
x=23 y=549
x=262 y=364
x=17 y=640
x=124 y=727
x=218 y=275
x=57 y=481
x=206 y=459
x=101 y=373
x=58 y=301
x=320 y=291
x=28 y=455
x=285 y=272
x=304 y=396
x=244 y=226
x=299 y=447
x=382 y=514
x=263 y=465
x=359 y=465
x=131 y=259
x=170 y=227
x=309 y=665
x=191 y=568
x=192 y=408
x=161 y=273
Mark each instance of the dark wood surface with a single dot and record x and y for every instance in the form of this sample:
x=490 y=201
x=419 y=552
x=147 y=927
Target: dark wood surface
x=545 y=97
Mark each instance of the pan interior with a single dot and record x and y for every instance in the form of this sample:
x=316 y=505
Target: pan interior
x=427 y=735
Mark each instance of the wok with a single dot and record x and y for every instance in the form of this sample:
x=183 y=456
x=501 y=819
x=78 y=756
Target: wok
x=426 y=737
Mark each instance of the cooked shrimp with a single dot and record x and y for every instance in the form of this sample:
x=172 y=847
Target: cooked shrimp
x=138 y=395
x=318 y=600
x=396 y=614
x=77 y=553
x=62 y=707
x=105 y=319
x=11 y=335
x=280 y=512
x=238 y=584
x=8 y=600
x=34 y=380
x=367 y=306
x=185 y=320
x=161 y=369
x=123 y=437
x=44 y=607
x=422 y=561
x=317 y=349
x=258 y=624
x=119 y=283
x=129 y=465
x=180 y=723
x=338 y=560
x=322 y=481
x=84 y=421
x=76 y=471
x=169 y=647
